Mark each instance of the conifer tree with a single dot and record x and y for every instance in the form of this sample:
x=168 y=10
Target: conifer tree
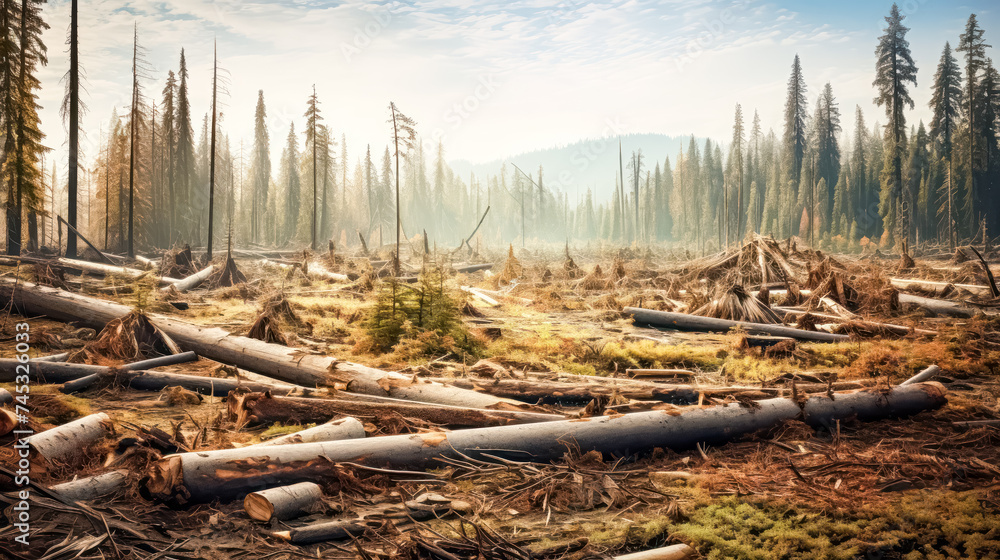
x=313 y=117
x=972 y=44
x=184 y=162
x=260 y=169
x=794 y=135
x=290 y=175
x=946 y=101
x=894 y=68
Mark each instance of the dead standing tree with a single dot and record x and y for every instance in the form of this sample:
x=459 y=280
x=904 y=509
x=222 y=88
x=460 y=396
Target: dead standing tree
x=403 y=131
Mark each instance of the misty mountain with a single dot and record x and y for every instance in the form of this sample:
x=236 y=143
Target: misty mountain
x=589 y=163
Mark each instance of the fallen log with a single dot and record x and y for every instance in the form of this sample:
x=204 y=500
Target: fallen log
x=192 y=281
x=322 y=532
x=283 y=502
x=291 y=365
x=672 y=552
x=481 y=296
x=468 y=269
x=262 y=408
x=158 y=380
x=63 y=442
x=91 y=487
x=939 y=289
x=579 y=394
x=978 y=424
x=925 y=375
x=108 y=270
x=5 y=396
x=683 y=321
x=658 y=373
x=61 y=357
x=937 y=306
x=207 y=475
x=342 y=428
x=60 y=372
x=873 y=326
x=8 y=421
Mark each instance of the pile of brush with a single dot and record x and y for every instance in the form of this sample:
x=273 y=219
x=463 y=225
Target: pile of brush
x=274 y=312
x=737 y=304
x=132 y=337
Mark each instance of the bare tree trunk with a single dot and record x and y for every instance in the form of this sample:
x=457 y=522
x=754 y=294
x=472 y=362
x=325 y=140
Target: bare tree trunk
x=207 y=475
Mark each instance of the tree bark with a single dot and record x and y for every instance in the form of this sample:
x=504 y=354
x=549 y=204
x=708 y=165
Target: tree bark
x=8 y=420
x=334 y=430
x=61 y=372
x=158 y=380
x=683 y=321
x=91 y=487
x=64 y=442
x=261 y=408
x=937 y=306
x=192 y=281
x=672 y=552
x=273 y=360
x=283 y=502
x=207 y=475
x=938 y=288
x=579 y=394
x=107 y=270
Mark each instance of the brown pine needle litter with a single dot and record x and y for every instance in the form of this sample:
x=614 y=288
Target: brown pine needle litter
x=736 y=304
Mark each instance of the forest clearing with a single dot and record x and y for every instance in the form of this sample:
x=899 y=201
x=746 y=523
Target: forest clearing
x=616 y=285
x=788 y=444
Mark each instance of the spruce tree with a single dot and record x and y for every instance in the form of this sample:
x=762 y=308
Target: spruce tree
x=894 y=68
x=313 y=117
x=290 y=175
x=972 y=44
x=946 y=101
x=260 y=169
x=184 y=162
x=794 y=135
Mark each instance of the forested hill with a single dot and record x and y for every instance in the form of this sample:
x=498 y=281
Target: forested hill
x=589 y=163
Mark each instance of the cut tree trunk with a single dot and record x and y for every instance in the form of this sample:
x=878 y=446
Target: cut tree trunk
x=925 y=375
x=322 y=532
x=283 y=502
x=570 y=394
x=207 y=475
x=685 y=322
x=672 y=552
x=334 y=430
x=938 y=288
x=60 y=372
x=470 y=268
x=8 y=421
x=62 y=443
x=5 y=396
x=92 y=487
x=873 y=326
x=937 y=306
x=291 y=365
x=158 y=380
x=192 y=281
x=108 y=270
x=260 y=408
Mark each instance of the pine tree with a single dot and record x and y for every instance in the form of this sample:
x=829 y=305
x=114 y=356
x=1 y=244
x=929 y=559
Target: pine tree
x=894 y=68
x=312 y=121
x=971 y=43
x=184 y=171
x=404 y=136
x=736 y=165
x=260 y=169
x=945 y=102
x=290 y=174
x=827 y=129
x=795 y=134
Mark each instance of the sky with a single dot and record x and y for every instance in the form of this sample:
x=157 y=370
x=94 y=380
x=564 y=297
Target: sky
x=491 y=79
